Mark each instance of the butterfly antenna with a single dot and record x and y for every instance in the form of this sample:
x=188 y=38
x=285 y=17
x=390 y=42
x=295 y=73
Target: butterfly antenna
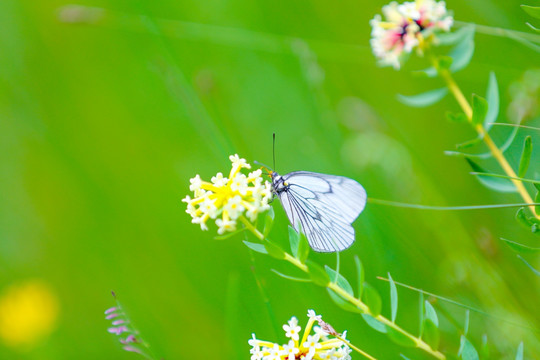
x=274 y=149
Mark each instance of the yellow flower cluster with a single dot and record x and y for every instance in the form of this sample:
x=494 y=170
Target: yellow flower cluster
x=227 y=199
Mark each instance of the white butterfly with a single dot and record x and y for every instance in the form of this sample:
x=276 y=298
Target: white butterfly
x=322 y=206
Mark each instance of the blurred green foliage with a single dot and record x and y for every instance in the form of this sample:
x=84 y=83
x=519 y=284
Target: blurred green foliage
x=103 y=123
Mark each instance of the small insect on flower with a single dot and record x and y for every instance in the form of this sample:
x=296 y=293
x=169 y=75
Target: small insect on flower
x=319 y=345
x=226 y=199
x=126 y=332
x=407 y=26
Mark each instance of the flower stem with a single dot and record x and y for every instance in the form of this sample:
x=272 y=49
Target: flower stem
x=350 y=298
x=355 y=348
x=484 y=135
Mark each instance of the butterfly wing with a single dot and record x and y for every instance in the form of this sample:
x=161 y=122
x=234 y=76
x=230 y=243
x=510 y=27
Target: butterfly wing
x=323 y=206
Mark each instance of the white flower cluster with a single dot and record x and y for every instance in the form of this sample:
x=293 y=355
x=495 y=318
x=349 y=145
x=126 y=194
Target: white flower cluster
x=226 y=199
x=405 y=27
x=316 y=346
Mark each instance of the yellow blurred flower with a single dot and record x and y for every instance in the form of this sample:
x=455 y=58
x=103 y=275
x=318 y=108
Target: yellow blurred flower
x=28 y=313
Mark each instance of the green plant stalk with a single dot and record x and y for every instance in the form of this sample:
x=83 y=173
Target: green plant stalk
x=484 y=135
x=419 y=343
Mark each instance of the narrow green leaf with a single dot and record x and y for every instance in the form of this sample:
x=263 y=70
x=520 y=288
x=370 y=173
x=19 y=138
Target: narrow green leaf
x=268 y=221
x=342 y=303
x=536 y=272
x=404 y=357
x=497 y=184
x=431 y=334
x=466 y=326
x=294 y=240
x=519 y=354
x=274 y=250
x=469 y=143
x=431 y=314
x=423 y=99
x=374 y=323
x=529 y=222
x=372 y=299
x=399 y=338
x=360 y=274
x=525 y=157
x=317 y=274
x=492 y=97
x=393 y=298
x=228 y=235
x=468 y=352
x=534 y=11
x=462 y=53
x=534 y=182
x=459 y=117
x=289 y=277
x=537 y=185
x=256 y=247
x=533 y=27
x=341 y=281
x=480 y=108
x=421 y=311
x=303 y=248
x=487 y=155
x=520 y=248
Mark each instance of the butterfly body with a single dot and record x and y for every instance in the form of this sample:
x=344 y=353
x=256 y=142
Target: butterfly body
x=322 y=206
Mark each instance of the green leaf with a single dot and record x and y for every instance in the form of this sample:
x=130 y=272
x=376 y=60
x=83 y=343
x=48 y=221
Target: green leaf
x=534 y=11
x=399 y=338
x=256 y=247
x=423 y=99
x=374 y=323
x=519 y=354
x=431 y=334
x=487 y=155
x=393 y=298
x=497 y=184
x=459 y=117
x=520 y=248
x=431 y=314
x=294 y=240
x=529 y=222
x=342 y=303
x=466 y=326
x=462 y=53
x=469 y=143
x=341 y=281
x=536 y=272
x=525 y=157
x=480 y=108
x=317 y=273
x=228 y=235
x=372 y=299
x=303 y=248
x=404 y=357
x=537 y=185
x=274 y=250
x=467 y=351
x=492 y=97
x=360 y=274
x=532 y=27
x=451 y=38
x=268 y=221
x=289 y=277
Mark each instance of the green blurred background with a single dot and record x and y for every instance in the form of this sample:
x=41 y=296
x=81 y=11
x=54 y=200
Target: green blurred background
x=105 y=115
